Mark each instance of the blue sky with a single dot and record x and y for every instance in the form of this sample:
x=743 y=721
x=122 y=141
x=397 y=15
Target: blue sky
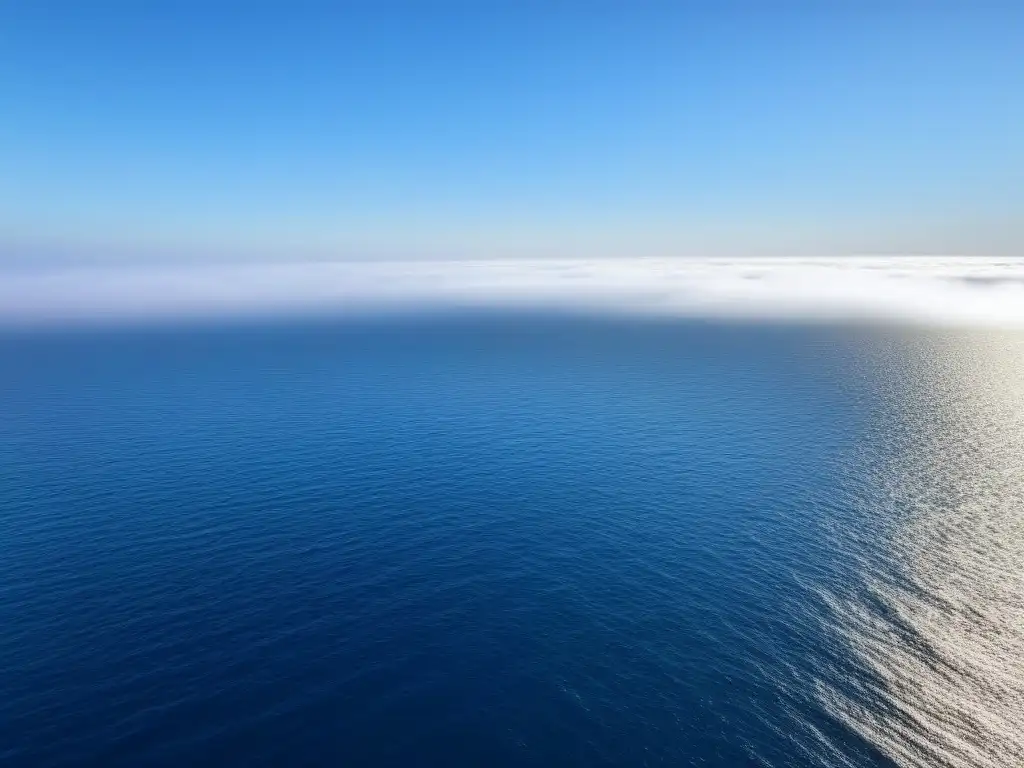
x=527 y=128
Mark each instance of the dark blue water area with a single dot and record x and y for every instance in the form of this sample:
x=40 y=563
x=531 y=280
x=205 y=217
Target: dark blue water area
x=438 y=540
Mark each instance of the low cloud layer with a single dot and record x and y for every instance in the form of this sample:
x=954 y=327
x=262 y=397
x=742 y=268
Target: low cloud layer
x=949 y=291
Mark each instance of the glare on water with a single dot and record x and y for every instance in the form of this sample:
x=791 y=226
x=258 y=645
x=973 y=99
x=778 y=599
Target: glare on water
x=938 y=624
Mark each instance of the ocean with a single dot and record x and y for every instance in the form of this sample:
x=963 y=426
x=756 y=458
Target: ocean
x=501 y=538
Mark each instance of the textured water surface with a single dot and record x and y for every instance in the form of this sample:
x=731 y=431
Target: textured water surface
x=511 y=540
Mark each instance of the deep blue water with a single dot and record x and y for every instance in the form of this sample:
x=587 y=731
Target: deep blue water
x=505 y=540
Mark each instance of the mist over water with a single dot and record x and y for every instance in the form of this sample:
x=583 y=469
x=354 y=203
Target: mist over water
x=470 y=385
x=945 y=291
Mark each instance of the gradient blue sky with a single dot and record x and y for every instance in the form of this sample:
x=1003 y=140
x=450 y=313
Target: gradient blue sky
x=526 y=128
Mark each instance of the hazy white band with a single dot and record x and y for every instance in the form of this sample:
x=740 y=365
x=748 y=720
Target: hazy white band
x=971 y=291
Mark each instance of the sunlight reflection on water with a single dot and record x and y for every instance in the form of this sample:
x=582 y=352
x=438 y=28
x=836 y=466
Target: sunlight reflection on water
x=939 y=622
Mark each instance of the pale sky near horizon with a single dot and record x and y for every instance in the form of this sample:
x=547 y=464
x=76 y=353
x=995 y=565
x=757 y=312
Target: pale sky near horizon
x=510 y=129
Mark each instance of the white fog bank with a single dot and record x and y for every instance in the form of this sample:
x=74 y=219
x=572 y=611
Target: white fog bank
x=946 y=291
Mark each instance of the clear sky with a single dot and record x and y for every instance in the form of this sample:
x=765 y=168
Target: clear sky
x=521 y=128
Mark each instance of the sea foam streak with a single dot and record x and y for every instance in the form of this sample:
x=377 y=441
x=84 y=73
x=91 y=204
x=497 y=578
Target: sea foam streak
x=951 y=290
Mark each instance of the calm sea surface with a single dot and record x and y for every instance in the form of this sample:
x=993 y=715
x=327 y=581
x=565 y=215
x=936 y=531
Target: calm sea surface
x=507 y=540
